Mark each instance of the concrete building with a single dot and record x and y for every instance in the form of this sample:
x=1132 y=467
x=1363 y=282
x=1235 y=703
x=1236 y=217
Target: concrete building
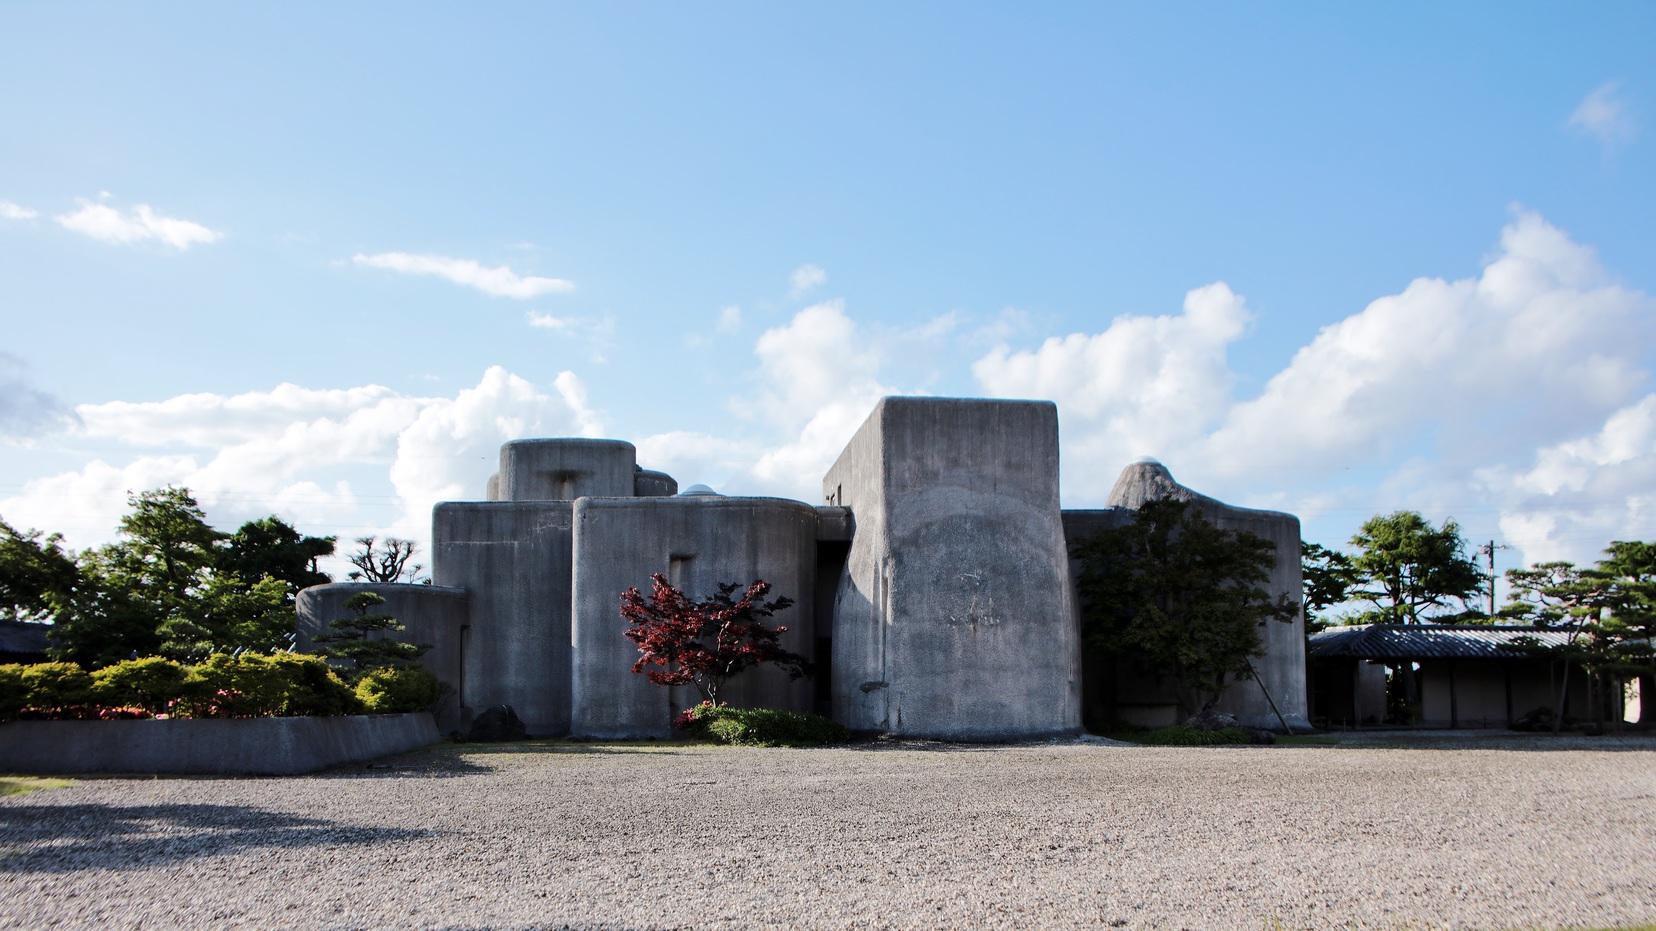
x=933 y=587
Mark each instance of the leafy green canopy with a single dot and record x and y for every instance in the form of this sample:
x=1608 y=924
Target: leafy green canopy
x=1411 y=572
x=1181 y=594
x=171 y=585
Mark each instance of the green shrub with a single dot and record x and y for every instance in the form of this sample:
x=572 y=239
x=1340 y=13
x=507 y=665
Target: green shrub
x=14 y=693
x=150 y=683
x=1183 y=735
x=259 y=685
x=57 y=690
x=761 y=727
x=398 y=689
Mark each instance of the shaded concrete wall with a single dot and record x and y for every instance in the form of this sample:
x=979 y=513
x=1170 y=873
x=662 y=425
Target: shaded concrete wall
x=651 y=484
x=248 y=746
x=433 y=614
x=697 y=543
x=954 y=617
x=514 y=559
x=1282 y=667
x=564 y=469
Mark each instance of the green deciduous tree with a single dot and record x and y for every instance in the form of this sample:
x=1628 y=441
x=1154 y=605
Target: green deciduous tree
x=1181 y=594
x=1412 y=572
x=36 y=575
x=1327 y=576
x=175 y=585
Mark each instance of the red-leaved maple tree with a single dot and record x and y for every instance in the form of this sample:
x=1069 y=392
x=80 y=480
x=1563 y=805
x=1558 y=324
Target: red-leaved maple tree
x=705 y=643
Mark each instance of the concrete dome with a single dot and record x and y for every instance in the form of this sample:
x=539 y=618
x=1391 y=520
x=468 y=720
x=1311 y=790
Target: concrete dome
x=699 y=491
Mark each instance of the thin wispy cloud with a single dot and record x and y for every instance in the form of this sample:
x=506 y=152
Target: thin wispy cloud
x=806 y=277
x=500 y=281
x=103 y=222
x=11 y=211
x=1604 y=115
x=548 y=322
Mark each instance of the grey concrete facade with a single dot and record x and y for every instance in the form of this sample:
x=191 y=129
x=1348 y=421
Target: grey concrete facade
x=514 y=559
x=933 y=587
x=697 y=543
x=954 y=616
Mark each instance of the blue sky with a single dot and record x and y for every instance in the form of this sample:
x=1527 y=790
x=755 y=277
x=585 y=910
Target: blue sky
x=1331 y=259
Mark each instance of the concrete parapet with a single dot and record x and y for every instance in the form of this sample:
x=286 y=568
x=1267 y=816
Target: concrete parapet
x=954 y=615
x=248 y=746
x=433 y=614
x=514 y=559
x=697 y=542
x=565 y=469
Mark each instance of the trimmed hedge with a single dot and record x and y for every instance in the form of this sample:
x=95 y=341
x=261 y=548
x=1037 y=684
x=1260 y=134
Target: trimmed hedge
x=250 y=685
x=398 y=689
x=760 y=727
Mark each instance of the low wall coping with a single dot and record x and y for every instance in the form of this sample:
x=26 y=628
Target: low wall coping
x=224 y=746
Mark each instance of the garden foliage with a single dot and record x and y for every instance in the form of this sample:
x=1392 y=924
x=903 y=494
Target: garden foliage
x=760 y=727
x=705 y=643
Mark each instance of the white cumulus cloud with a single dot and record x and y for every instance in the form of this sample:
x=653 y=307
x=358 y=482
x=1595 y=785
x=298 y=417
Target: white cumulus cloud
x=349 y=462
x=807 y=277
x=1603 y=115
x=499 y=281
x=101 y=221
x=11 y=211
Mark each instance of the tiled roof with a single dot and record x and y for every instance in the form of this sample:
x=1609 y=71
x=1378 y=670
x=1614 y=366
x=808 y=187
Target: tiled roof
x=21 y=637
x=1427 y=641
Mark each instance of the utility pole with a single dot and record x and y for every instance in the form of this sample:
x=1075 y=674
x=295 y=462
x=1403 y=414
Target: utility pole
x=1488 y=549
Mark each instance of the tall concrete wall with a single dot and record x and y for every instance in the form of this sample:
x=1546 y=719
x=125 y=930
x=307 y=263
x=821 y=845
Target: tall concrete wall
x=433 y=614
x=1282 y=667
x=697 y=542
x=954 y=617
x=514 y=559
x=565 y=469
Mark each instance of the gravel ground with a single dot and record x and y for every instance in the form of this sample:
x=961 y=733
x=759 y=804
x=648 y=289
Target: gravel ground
x=1426 y=831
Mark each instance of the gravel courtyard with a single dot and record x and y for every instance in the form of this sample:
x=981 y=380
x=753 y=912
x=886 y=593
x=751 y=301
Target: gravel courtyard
x=1480 y=833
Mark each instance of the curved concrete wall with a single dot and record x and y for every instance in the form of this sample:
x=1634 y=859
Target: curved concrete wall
x=1282 y=667
x=565 y=469
x=649 y=484
x=697 y=543
x=432 y=614
x=954 y=616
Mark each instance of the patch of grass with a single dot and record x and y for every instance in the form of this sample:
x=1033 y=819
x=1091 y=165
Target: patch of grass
x=19 y=785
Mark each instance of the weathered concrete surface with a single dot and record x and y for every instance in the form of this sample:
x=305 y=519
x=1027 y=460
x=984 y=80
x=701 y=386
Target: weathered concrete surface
x=566 y=468
x=651 y=484
x=433 y=614
x=1282 y=667
x=514 y=559
x=698 y=543
x=954 y=616
x=256 y=746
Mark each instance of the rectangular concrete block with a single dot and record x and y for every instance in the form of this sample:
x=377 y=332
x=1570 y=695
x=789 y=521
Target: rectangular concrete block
x=514 y=559
x=954 y=617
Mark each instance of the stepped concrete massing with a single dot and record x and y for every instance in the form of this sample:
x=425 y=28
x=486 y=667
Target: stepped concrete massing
x=933 y=588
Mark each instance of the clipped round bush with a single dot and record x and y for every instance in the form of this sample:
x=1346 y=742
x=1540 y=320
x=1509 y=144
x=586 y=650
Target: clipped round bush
x=14 y=693
x=760 y=727
x=398 y=689
x=259 y=685
x=57 y=690
x=150 y=683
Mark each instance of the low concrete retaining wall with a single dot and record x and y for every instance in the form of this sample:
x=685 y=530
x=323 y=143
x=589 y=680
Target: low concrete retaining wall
x=251 y=746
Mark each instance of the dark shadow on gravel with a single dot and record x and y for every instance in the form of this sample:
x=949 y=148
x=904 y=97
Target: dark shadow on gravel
x=67 y=838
